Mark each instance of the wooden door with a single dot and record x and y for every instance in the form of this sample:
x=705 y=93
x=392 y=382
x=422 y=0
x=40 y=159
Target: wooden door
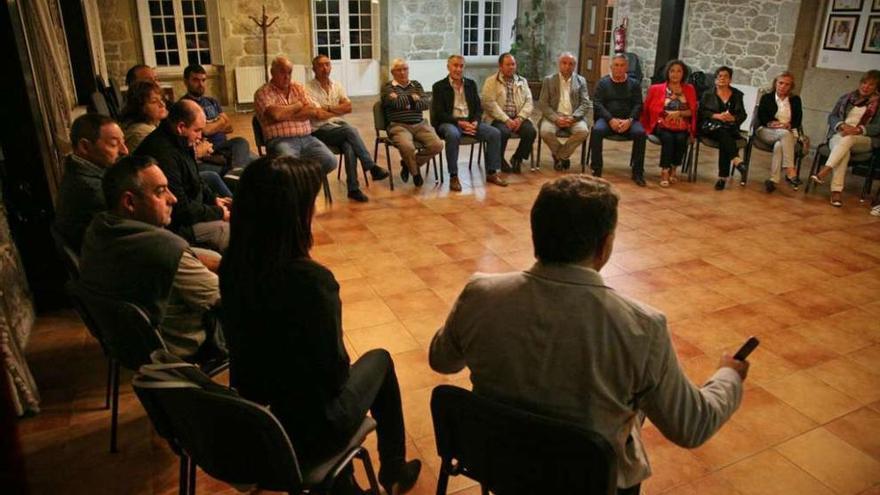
x=592 y=41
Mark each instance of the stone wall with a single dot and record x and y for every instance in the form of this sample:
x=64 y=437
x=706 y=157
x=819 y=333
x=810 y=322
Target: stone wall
x=419 y=30
x=643 y=23
x=122 y=42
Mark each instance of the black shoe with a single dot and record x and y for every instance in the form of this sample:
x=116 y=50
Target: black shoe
x=597 y=172
x=516 y=165
x=639 y=179
x=719 y=184
x=378 y=173
x=794 y=183
x=505 y=166
x=358 y=195
x=404 y=171
x=566 y=164
x=741 y=168
x=418 y=181
x=557 y=164
x=403 y=480
x=769 y=186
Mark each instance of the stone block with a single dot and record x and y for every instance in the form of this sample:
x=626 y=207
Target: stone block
x=769 y=38
x=721 y=32
x=770 y=8
x=762 y=49
x=761 y=23
x=427 y=41
x=733 y=48
x=750 y=62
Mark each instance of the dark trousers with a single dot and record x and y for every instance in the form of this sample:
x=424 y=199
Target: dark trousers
x=726 y=137
x=346 y=138
x=673 y=144
x=372 y=386
x=527 y=134
x=636 y=132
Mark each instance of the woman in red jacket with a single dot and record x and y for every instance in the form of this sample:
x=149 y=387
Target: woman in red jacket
x=670 y=113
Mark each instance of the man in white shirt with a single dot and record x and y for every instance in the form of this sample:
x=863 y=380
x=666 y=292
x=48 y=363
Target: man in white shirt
x=567 y=109
x=556 y=340
x=332 y=130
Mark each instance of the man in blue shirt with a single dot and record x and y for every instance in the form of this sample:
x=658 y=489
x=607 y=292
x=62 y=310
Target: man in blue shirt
x=237 y=148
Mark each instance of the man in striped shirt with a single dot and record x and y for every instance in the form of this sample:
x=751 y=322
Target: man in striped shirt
x=284 y=109
x=403 y=102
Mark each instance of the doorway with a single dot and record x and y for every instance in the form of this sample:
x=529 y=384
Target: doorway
x=597 y=25
x=346 y=31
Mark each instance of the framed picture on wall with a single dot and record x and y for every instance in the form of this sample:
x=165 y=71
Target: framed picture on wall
x=848 y=5
x=872 y=35
x=840 y=32
x=875 y=5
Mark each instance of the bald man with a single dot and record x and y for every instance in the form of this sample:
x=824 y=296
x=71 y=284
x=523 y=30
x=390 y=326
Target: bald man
x=284 y=110
x=200 y=215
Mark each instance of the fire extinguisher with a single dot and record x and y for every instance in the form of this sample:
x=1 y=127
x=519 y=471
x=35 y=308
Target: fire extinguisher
x=620 y=37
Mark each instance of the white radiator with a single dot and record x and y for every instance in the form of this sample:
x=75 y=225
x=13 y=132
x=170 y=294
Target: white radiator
x=249 y=79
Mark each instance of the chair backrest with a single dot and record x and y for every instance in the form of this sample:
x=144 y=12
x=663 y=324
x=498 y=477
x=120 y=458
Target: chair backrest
x=512 y=451
x=69 y=258
x=258 y=135
x=750 y=101
x=753 y=126
x=379 y=117
x=230 y=438
x=115 y=94
x=123 y=328
x=99 y=104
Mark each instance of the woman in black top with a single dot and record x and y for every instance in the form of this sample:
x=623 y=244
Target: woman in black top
x=283 y=320
x=779 y=118
x=721 y=113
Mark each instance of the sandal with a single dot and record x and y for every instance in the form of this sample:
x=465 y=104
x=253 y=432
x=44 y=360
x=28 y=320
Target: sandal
x=664 y=183
x=816 y=179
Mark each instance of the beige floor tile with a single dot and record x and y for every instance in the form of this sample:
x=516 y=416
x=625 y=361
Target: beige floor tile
x=769 y=473
x=860 y=429
x=850 y=378
x=713 y=484
x=366 y=313
x=764 y=414
x=392 y=282
x=673 y=466
x=812 y=397
x=832 y=461
x=392 y=336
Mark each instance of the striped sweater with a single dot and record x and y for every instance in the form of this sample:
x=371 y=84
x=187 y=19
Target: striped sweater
x=404 y=108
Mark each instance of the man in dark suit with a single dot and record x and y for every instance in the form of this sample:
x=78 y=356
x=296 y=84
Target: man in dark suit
x=567 y=110
x=456 y=112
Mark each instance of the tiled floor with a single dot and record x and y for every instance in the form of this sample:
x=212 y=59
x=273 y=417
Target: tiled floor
x=803 y=276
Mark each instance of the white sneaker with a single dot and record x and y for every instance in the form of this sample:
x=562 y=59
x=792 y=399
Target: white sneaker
x=876 y=211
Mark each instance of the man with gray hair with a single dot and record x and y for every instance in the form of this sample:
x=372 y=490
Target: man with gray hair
x=403 y=102
x=567 y=109
x=556 y=340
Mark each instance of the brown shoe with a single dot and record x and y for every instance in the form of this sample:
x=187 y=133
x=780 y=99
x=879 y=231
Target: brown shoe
x=496 y=179
x=454 y=184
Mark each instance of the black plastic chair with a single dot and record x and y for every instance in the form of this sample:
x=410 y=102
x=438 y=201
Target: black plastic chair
x=69 y=257
x=98 y=104
x=232 y=439
x=511 y=451
x=381 y=126
x=562 y=133
x=865 y=164
x=262 y=149
x=757 y=142
x=611 y=137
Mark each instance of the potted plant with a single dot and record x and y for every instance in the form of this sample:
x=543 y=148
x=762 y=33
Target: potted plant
x=528 y=45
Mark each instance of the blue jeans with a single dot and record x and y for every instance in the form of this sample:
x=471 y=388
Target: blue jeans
x=303 y=147
x=215 y=182
x=636 y=132
x=239 y=150
x=490 y=136
x=348 y=140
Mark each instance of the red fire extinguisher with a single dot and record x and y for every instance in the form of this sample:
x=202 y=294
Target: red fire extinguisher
x=620 y=37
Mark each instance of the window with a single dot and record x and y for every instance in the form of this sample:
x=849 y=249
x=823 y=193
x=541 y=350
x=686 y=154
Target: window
x=485 y=27
x=330 y=28
x=608 y=31
x=177 y=33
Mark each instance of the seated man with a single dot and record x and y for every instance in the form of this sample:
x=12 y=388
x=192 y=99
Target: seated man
x=284 y=109
x=218 y=124
x=201 y=216
x=566 y=106
x=558 y=341
x=507 y=101
x=618 y=105
x=128 y=255
x=456 y=111
x=403 y=102
x=329 y=127
x=141 y=72
x=97 y=143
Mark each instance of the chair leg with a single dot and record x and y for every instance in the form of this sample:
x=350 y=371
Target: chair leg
x=364 y=456
x=184 y=475
x=114 y=408
x=192 y=477
x=484 y=489
x=109 y=383
x=584 y=156
x=327 y=194
x=479 y=153
x=442 y=482
x=586 y=162
x=388 y=161
x=692 y=175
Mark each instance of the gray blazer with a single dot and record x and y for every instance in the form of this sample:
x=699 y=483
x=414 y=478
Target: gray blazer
x=582 y=107
x=555 y=339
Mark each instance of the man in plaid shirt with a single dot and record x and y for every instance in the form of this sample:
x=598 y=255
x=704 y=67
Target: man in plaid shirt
x=284 y=109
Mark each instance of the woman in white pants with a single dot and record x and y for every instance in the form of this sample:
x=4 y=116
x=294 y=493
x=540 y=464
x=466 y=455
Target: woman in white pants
x=854 y=126
x=779 y=117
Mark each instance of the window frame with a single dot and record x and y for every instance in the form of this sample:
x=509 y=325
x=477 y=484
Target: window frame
x=149 y=49
x=508 y=15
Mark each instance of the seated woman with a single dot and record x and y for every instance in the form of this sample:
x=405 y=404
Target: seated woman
x=670 y=114
x=854 y=126
x=144 y=109
x=779 y=118
x=721 y=113
x=283 y=320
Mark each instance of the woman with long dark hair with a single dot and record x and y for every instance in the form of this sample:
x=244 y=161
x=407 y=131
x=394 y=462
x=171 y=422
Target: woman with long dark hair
x=283 y=320
x=670 y=113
